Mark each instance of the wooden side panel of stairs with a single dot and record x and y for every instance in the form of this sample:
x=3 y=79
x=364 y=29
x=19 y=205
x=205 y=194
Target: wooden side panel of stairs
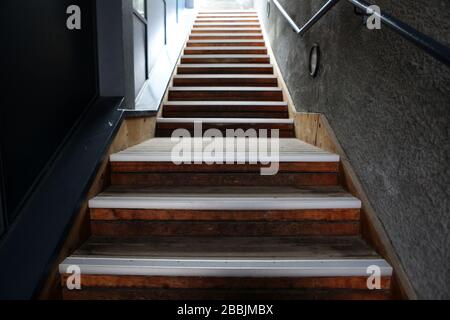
x=220 y=230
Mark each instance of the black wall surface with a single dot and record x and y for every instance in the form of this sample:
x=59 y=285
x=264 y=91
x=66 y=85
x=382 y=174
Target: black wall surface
x=389 y=105
x=51 y=78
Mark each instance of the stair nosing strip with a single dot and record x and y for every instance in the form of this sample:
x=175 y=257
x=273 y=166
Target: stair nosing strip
x=97 y=265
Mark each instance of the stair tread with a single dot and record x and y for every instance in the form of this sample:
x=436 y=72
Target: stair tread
x=205 y=56
x=227 y=257
x=226 y=120
x=226 y=198
x=226 y=103
x=226 y=89
x=226 y=65
x=160 y=150
x=233 y=30
x=222 y=48
x=225 y=76
x=227 y=41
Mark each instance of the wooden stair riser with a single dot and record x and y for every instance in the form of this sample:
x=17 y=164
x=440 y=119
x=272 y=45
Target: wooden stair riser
x=224 y=95
x=208 y=110
x=193 y=179
x=225 y=50
x=225 y=43
x=225 y=30
x=151 y=282
x=222 y=81
x=141 y=228
x=226 y=37
x=226 y=59
x=225 y=69
x=220 y=295
x=283 y=130
x=227 y=25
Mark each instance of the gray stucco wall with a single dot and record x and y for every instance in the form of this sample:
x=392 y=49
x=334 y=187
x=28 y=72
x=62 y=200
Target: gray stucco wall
x=389 y=105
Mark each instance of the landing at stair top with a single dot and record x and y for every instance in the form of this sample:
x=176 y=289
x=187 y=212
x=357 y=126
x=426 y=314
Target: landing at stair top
x=160 y=150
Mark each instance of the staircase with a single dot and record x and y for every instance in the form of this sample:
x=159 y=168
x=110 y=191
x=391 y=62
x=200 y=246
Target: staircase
x=225 y=231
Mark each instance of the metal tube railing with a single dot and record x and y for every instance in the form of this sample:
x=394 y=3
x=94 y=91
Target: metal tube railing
x=426 y=43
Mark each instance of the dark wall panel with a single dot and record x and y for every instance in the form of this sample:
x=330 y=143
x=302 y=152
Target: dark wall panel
x=51 y=80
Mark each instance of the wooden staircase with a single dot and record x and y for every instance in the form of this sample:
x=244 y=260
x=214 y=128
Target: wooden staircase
x=225 y=231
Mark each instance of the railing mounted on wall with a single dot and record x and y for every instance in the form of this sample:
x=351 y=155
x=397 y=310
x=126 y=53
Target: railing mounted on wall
x=426 y=43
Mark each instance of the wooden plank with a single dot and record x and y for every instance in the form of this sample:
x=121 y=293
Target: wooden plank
x=225 y=94
x=237 y=295
x=108 y=281
x=225 y=43
x=98 y=214
x=225 y=58
x=225 y=69
x=221 y=36
x=225 y=50
x=308 y=248
x=212 y=80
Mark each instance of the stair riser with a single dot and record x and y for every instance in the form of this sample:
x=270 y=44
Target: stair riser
x=228 y=37
x=284 y=131
x=325 y=215
x=200 y=60
x=225 y=30
x=223 y=179
x=225 y=96
x=225 y=82
x=222 y=228
x=149 y=282
x=199 y=113
x=218 y=43
x=227 y=25
x=254 y=50
x=225 y=70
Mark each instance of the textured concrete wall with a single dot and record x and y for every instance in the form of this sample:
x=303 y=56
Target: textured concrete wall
x=389 y=105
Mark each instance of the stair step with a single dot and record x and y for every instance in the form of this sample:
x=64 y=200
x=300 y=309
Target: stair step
x=225 y=93
x=285 y=127
x=137 y=267
x=231 y=16
x=218 y=68
x=225 y=50
x=227 y=20
x=225 y=109
x=226 y=43
x=226 y=59
x=240 y=12
x=224 y=212
x=224 y=36
x=226 y=30
x=239 y=25
x=152 y=164
x=226 y=80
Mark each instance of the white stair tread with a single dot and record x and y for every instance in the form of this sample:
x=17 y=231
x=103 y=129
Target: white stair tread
x=160 y=150
x=225 y=120
x=224 y=268
x=223 y=198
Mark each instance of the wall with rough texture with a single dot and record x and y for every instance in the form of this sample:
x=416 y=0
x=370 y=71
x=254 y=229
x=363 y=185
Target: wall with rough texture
x=389 y=105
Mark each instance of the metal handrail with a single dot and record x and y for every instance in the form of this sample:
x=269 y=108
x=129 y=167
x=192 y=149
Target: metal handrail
x=426 y=43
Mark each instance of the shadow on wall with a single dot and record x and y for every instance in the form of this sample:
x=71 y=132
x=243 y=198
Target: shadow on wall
x=224 y=4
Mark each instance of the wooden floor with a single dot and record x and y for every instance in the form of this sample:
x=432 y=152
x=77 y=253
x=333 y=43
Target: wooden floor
x=212 y=225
